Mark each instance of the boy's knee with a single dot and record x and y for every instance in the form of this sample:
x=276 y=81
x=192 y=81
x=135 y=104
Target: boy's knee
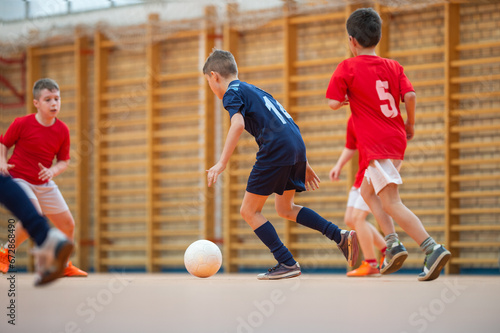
x=246 y=213
x=284 y=213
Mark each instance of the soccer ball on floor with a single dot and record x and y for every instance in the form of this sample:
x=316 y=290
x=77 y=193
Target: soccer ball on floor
x=203 y=258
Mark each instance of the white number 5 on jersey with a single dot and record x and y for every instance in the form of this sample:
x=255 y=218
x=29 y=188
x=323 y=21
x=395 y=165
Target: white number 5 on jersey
x=384 y=95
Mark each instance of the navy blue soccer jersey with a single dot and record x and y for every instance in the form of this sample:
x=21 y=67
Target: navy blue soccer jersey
x=279 y=139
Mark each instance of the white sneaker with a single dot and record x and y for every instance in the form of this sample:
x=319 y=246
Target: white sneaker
x=51 y=257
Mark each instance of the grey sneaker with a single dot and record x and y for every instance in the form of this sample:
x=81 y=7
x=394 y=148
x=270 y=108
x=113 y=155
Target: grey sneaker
x=51 y=257
x=434 y=263
x=394 y=258
x=281 y=271
x=349 y=246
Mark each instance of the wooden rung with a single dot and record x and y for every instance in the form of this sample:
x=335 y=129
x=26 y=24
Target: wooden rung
x=260 y=68
x=475 y=161
x=169 y=261
x=474 y=261
x=176 y=203
x=430 y=99
x=177 y=161
x=312 y=245
x=53 y=50
x=267 y=81
x=256 y=261
x=123 y=247
x=475 y=194
x=170 y=247
x=420 y=149
x=322 y=138
x=247 y=231
x=468 y=211
x=428 y=212
x=124 y=219
x=122 y=192
x=123 y=95
x=475 y=95
x=477 y=46
x=318 y=62
x=176 y=105
x=475 y=244
x=430 y=228
x=176 y=147
x=420 y=180
x=477 y=144
x=177 y=189
x=422 y=195
x=248 y=246
x=479 y=78
x=122 y=109
x=176 y=90
x=127 y=261
x=179 y=175
x=128 y=136
x=428 y=131
x=122 y=205
x=420 y=67
x=426 y=83
x=180 y=132
x=177 y=232
x=123 y=234
x=136 y=81
x=310 y=77
x=311 y=108
x=422 y=164
x=413 y=52
x=323 y=122
x=124 y=164
x=177 y=76
x=176 y=118
x=474 y=112
x=317 y=18
x=123 y=178
x=475 y=227
x=427 y=115
x=307 y=93
x=465 y=178
x=121 y=123
x=477 y=61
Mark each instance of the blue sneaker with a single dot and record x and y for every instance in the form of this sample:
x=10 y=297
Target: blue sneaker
x=394 y=258
x=434 y=263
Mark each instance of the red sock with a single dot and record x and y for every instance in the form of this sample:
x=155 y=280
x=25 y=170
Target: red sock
x=372 y=262
x=383 y=250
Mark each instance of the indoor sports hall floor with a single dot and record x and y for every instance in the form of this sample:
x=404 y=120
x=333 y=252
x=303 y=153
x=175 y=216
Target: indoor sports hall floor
x=117 y=302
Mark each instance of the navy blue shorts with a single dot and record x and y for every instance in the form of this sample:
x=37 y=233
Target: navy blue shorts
x=277 y=179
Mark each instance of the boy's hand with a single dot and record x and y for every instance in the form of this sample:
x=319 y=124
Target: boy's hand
x=335 y=173
x=45 y=174
x=410 y=131
x=5 y=167
x=214 y=172
x=312 y=180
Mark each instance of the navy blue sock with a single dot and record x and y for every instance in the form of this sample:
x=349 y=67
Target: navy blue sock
x=309 y=218
x=14 y=198
x=269 y=236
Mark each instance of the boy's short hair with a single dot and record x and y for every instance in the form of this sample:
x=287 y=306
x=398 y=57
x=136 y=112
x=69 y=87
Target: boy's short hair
x=365 y=25
x=222 y=62
x=41 y=84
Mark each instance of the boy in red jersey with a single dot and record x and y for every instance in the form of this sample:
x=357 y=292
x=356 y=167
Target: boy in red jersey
x=373 y=87
x=357 y=210
x=38 y=138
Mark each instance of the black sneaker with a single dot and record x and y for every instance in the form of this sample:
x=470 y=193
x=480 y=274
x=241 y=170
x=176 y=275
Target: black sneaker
x=434 y=263
x=281 y=271
x=349 y=246
x=394 y=258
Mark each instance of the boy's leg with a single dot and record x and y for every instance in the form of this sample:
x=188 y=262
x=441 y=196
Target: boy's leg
x=373 y=201
x=63 y=221
x=20 y=232
x=251 y=211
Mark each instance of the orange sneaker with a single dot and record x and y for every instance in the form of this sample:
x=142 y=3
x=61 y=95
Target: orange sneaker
x=364 y=270
x=4 y=260
x=73 y=271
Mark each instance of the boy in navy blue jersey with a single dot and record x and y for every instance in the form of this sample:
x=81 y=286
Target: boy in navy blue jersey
x=281 y=165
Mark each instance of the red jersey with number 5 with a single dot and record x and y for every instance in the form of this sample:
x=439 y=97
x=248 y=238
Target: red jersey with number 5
x=374 y=87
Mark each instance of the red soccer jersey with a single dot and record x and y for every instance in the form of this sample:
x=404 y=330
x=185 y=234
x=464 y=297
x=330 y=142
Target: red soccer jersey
x=35 y=143
x=352 y=143
x=374 y=86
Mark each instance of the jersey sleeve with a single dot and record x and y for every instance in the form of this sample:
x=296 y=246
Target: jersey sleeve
x=404 y=83
x=232 y=102
x=350 y=140
x=12 y=134
x=63 y=153
x=337 y=88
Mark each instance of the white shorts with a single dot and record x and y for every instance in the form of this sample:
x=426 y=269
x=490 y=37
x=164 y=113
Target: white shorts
x=48 y=196
x=381 y=173
x=356 y=200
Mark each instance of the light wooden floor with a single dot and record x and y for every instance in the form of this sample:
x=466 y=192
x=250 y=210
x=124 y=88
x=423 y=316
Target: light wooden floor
x=312 y=303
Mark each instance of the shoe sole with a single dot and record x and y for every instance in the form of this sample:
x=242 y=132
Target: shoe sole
x=353 y=246
x=292 y=275
x=437 y=267
x=60 y=262
x=395 y=264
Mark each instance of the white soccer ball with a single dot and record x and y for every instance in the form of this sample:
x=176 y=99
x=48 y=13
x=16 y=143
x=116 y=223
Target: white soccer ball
x=203 y=258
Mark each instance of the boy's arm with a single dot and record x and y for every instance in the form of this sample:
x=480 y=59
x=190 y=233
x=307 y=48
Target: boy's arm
x=237 y=127
x=410 y=100
x=47 y=174
x=346 y=155
x=4 y=167
x=335 y=105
